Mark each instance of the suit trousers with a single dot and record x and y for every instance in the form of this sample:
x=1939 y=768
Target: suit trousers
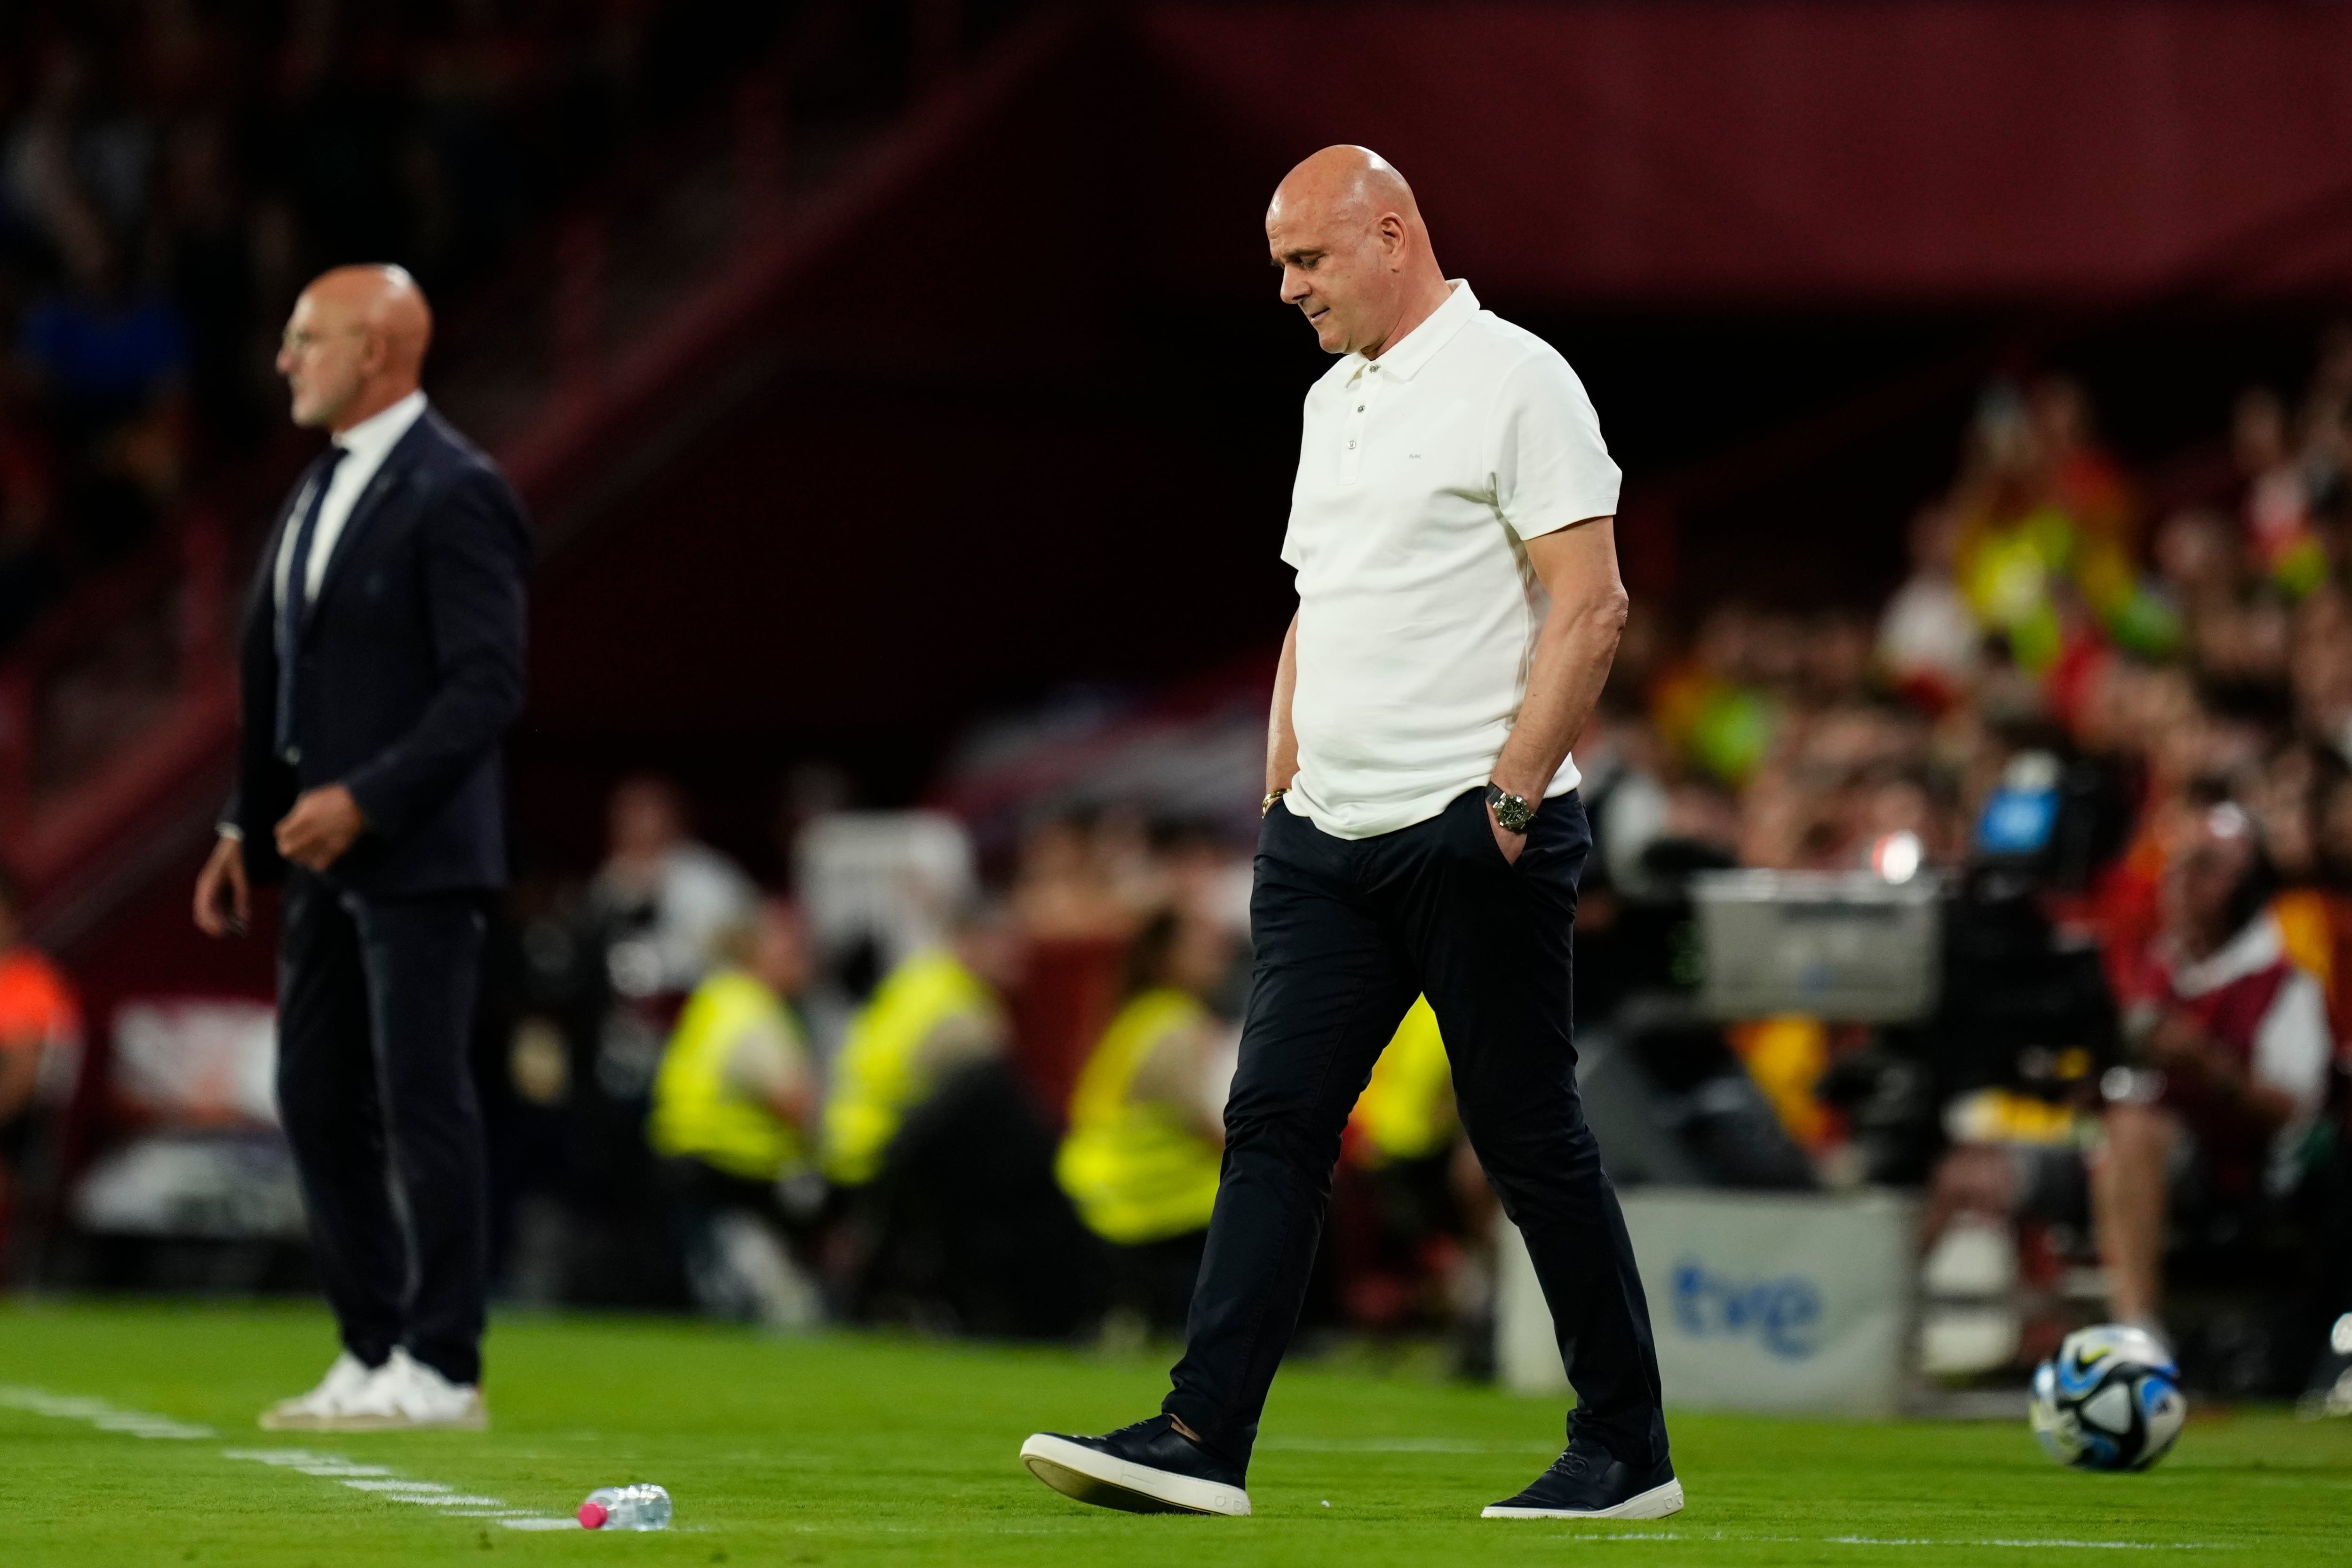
x=375 y=1002
x=1348 y=933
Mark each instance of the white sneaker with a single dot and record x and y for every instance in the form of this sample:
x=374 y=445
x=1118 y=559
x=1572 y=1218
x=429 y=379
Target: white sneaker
x=407 y=1394
x=342 y=1384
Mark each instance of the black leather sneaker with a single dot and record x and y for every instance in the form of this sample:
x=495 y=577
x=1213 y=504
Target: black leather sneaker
x=1149 y=1467
x=1586 y=1482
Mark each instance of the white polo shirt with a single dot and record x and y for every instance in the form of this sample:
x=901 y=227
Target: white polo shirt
x=1420 y=475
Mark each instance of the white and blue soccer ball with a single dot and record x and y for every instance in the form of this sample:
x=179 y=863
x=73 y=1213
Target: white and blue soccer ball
x=2109 y=1400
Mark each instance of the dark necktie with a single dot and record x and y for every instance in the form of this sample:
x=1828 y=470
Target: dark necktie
x=295 y=600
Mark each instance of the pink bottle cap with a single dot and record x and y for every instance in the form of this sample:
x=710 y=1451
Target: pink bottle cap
x=593 y=1516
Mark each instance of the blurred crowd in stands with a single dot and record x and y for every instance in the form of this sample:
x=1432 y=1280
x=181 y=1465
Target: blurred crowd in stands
x=172 y=172
x=2113 y=719
x=973 y=1080
x=2118 y=715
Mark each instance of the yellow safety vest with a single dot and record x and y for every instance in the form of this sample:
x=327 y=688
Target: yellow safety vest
x=1403 y=1113
x=875 y=1080
x=694 y=1112
x=1786 y=1055
x=1136 y=1170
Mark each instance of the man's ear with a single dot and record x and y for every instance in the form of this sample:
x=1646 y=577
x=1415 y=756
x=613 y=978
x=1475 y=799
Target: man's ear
x=1392 y=239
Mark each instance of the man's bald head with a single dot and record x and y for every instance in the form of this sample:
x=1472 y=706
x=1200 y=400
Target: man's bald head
x=355 y=344
x=1354 y=183
x=1355 y=255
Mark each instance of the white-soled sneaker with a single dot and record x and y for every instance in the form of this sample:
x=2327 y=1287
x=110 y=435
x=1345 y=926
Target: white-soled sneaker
x=1149 y=1467
x=343 y=1383
x=1588 y=1482
x=405 y=1395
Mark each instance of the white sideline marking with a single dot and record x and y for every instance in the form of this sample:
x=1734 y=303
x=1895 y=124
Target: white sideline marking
x=378 y=1480
x=100 y=1414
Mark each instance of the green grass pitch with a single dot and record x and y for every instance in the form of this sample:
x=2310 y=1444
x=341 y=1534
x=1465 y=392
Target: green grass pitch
x=851 y=1449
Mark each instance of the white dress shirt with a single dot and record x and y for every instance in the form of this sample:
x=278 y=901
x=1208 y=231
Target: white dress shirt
x=1421 y=475
x=365 y=445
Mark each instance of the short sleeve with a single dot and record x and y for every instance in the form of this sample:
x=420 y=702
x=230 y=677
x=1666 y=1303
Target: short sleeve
x=2292 y=1045
x=1551 y=469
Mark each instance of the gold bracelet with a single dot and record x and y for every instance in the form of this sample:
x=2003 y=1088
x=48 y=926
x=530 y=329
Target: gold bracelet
x=1271 y=797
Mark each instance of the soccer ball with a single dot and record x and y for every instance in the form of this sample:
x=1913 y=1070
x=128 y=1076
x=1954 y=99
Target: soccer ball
x=2109 y=1400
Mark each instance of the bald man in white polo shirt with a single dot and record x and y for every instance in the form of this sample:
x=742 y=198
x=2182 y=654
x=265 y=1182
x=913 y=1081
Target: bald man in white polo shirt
x=1452 y=528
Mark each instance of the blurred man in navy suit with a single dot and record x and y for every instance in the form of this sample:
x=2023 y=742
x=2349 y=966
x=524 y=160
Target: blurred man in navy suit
x=381 y=663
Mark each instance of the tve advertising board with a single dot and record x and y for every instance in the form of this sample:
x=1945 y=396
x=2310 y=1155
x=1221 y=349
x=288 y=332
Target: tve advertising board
x=1760 y=1302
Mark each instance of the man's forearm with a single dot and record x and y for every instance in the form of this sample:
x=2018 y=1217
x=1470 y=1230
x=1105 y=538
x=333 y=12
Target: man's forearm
x=1571 y=665
x=2268 y=1108
x=2185 y=1049
x=1281 y=740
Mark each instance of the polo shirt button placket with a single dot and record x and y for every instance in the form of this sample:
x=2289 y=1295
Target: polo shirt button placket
x=1351 y=436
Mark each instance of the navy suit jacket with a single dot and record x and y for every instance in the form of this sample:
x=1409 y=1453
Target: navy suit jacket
x=411 y=669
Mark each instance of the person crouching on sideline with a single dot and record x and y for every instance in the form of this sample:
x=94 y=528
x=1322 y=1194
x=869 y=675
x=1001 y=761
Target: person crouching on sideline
x=732 y=1102
x=1145 y=1129
x=938 y=1011
x=943 y=1163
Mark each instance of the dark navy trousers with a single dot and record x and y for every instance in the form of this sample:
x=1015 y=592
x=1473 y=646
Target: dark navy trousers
x=1348 y=933
x=375 y=1019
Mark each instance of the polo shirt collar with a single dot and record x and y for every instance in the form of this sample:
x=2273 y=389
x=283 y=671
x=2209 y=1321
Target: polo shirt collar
x=1404 y=360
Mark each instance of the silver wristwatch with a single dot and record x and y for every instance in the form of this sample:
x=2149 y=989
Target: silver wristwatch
x=1512 y=812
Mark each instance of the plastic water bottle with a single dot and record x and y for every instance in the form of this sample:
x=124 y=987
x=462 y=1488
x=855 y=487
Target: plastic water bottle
x=641 y=1507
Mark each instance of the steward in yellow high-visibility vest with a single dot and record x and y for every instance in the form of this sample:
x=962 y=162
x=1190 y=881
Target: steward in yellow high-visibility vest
x=736 y=1051
x=931 y=1013
x=1141 y=1158
x=1140 y=1169
x=729 y=1102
